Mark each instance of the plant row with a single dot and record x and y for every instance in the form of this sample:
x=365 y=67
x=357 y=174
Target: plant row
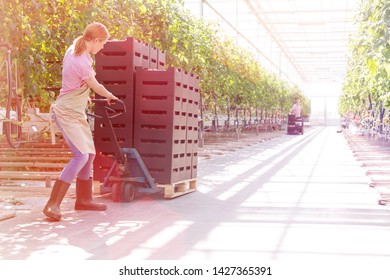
x=366 y=97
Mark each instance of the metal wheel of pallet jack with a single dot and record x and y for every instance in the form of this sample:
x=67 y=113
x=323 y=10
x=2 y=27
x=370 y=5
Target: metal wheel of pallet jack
x=116 y=192
x=128 y=192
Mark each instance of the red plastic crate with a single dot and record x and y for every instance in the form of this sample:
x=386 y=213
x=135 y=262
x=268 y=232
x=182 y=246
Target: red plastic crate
x=160 y=117
x=153 y=57
x=120 y=53
x=194 y=166
x=192 y=119
x=118 y=75
x=171 y=74
x=151 y=102
x=152 y=130
x=161 y=60
x=101 y=166
x=165 y=170
x=160 y=146
x=145 y=56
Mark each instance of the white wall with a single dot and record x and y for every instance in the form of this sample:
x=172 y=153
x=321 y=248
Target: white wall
x=324 y=103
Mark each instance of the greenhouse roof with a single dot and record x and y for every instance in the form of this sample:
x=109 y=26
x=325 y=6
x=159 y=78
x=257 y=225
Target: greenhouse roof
x=303 y=41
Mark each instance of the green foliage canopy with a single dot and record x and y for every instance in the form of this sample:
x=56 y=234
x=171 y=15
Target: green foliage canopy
x=41 y=30
x=367 y=84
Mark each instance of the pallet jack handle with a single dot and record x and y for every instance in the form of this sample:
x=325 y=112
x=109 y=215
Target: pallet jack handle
x=110 y=112
x=108 y=115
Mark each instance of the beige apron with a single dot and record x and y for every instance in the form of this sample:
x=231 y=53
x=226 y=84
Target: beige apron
x=69 y=110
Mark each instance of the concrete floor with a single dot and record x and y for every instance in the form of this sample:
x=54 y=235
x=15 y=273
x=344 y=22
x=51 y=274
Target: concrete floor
x=296 y=197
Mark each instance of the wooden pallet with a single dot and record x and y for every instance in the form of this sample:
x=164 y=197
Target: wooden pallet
x=179 y=188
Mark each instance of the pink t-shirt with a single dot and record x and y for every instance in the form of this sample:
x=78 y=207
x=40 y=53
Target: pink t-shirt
x=296 y=110
x=75 y=70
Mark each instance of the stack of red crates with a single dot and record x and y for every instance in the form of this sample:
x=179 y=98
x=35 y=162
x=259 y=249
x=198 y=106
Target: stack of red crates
x=159 y=127
x=162 y=104
x=115 y=69
x=166 y=123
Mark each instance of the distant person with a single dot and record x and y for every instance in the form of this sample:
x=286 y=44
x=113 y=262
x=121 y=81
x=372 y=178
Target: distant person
x=78 y=77
x=296 y=108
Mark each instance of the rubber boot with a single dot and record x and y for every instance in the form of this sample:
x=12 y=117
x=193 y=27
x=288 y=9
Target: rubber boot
x=52 y=208
x=84 y=200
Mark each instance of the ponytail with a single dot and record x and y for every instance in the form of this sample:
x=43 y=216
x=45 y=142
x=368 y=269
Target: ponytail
x=79 y=45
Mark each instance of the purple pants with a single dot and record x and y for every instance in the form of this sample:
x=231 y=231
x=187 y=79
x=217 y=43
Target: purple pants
x=79 y=166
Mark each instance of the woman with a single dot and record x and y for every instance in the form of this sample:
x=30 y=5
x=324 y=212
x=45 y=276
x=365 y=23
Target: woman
x=78 y=77
x=296 y=108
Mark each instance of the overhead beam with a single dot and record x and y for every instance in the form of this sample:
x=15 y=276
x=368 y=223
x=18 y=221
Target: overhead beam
x=276 y=40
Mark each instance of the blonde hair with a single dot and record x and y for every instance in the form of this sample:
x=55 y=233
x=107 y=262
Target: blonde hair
x=93 y=31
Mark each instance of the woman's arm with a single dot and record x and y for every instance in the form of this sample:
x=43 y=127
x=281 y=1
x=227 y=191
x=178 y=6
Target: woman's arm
x=100 y=89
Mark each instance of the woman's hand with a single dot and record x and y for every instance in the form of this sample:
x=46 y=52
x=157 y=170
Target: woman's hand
x=111 y=98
